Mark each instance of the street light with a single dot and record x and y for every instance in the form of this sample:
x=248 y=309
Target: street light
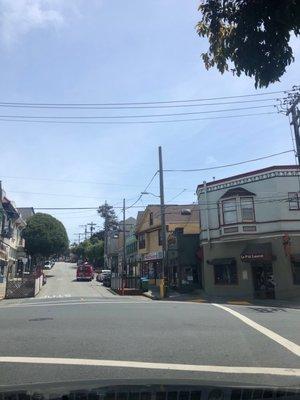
x=152 y=194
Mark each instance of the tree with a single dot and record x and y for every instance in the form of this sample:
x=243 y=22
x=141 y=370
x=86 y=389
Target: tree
x=45 y=236
x=90 y=250
x=252 y=36
x=107 y=212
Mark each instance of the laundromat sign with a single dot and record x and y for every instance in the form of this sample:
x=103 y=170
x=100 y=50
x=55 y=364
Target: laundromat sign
x=251 y=257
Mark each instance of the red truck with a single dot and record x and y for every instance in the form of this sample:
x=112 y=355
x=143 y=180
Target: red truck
x=85 y=272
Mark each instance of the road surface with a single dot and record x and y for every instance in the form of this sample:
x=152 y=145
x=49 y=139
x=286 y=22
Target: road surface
x=80 y=331
x=62 y=283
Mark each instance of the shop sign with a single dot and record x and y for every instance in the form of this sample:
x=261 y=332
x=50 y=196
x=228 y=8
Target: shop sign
x=252 y=256
x=157 y=255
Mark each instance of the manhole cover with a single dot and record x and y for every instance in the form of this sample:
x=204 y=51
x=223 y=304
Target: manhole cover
x=40 y=319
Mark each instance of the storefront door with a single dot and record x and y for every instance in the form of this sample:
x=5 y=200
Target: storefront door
x=263 y=281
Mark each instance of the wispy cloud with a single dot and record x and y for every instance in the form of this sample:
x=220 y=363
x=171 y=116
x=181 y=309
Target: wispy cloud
x=19 y=17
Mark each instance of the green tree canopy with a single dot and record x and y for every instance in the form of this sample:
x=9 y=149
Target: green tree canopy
x=251 y=36
x=91 y=249
x=45 y=236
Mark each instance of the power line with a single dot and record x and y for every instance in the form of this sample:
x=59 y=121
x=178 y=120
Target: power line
x=147 y=102
x=140 y=196
x=124 y=107
x=136 y=122
x=68 y=181
x=87 y=117
x=229 y=165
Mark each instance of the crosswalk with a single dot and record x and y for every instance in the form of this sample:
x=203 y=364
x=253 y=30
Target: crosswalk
x=55 y=296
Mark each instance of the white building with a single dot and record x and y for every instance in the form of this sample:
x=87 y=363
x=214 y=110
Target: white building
x=250 y=234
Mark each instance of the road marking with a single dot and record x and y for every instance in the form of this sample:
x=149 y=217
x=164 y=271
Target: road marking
x=147 y=365
x=68 y=303
x=55 y=296
x=289 y=345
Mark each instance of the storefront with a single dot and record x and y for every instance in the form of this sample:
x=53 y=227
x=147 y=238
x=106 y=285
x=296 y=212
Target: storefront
x=151 y=266
x=253 y=269
x=260 y=258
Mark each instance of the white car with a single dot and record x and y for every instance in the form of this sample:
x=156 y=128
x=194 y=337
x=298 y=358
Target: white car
x=47 y=265
x=102 y=274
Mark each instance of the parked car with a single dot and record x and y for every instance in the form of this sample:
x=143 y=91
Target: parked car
x=103 y=274
x=107 y=281
x=85 y=272
x=47 y=264
x=52 y=263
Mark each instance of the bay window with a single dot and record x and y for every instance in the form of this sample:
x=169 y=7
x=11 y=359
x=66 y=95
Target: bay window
x=247 y=209
x=229 y=211
x=294 y=201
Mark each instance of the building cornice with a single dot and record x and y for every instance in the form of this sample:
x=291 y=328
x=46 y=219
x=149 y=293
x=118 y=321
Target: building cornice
x=247 y=178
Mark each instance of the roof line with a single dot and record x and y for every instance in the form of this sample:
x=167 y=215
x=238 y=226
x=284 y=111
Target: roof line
x=266 y=169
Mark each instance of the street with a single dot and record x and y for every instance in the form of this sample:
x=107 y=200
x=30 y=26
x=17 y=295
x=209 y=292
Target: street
x=80 y=331
x=62 y=283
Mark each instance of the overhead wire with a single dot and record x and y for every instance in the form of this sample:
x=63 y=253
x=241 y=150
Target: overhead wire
x=88 y=117
x=159 y=106
x=231 y=164
x=149 y=102
x=137 y=122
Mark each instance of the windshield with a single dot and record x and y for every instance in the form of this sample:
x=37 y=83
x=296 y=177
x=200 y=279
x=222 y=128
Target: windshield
x=150 y=193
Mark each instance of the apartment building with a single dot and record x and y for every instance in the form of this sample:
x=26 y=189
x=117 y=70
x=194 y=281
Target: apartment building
x=250 y=236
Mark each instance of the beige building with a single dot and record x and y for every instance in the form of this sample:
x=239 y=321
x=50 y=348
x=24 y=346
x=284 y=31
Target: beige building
x=148 y=230
x=250 y=234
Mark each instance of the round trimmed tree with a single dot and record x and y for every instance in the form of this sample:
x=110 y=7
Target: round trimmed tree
x=45 y=236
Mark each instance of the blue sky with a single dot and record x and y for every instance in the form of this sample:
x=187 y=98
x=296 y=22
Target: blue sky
x=76 y=51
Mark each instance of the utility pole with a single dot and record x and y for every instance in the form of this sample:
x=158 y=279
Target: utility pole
x=85 y=231
x=105 y=237
x=163 y=222
x=293 y=110
x=79 y=236
x=92 y=225
x=124 y=247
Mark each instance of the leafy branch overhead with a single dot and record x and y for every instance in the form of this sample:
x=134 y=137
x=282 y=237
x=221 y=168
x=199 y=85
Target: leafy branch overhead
x=250 y=36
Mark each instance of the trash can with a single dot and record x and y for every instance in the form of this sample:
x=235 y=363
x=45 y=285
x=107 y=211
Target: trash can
x=145 y=284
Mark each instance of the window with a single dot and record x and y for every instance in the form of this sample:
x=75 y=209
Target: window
x=151 y=218
x=142 y=243
x=225 y=274
x=159 y=237
x=247 y=209
x=229 y=211
x=296 y=272
x=294 y=201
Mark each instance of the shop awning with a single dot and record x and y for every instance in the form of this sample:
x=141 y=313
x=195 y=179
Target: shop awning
x=222 y=261
x=257 y=252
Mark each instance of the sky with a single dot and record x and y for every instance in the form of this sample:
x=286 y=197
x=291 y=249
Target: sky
x=103 y=51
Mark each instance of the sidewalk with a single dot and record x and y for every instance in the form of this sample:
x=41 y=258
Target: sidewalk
x=199 y=296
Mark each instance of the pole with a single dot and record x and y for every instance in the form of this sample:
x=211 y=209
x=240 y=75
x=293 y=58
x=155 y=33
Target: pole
x=124 y=246
x=295 y=122
x=206 y=212
x=85 y=231
x=92 y=224
x=163 y=222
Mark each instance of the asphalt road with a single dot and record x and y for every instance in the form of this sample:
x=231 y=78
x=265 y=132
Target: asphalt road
x=86 y=333
x=62 y=283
